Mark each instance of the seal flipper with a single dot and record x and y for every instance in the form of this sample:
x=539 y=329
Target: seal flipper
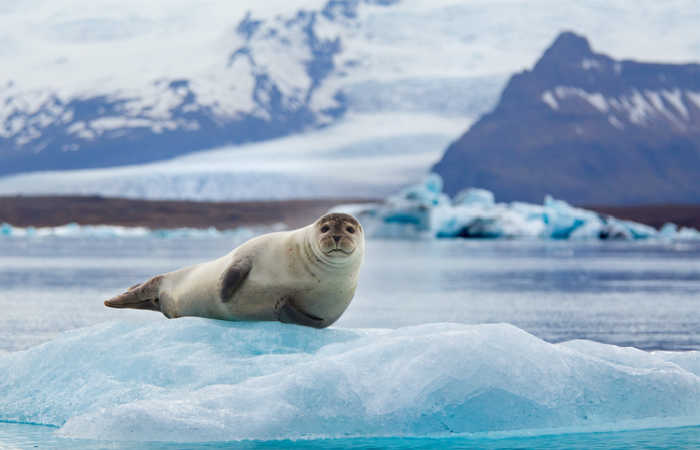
x=140 y=296
x=234 y=277
x=287 y=312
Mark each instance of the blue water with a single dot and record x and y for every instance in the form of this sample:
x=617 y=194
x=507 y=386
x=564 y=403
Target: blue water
x=644 y=295
x=28 y=436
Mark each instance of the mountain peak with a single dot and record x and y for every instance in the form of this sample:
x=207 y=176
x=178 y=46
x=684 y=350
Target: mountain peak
x=588 y=128
x=570 y=43
x=568 y=46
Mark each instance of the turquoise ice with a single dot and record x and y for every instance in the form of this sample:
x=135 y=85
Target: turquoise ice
x=195 y=379
x=423 y=210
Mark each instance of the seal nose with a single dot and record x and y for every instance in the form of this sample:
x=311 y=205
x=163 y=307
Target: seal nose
x=336 y=239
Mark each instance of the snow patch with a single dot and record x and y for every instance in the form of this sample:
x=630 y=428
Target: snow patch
x=549 y=99
x=596 y=99
x=589 y=64
x=637 y=107
x=694 y=97
x=614 y=121
x=674 y=97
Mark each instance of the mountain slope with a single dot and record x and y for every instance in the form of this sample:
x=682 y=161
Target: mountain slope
x=585 y=127
x=266 y=87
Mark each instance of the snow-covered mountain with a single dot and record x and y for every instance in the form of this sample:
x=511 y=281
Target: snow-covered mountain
x=266 y=86
x=588 y=128
x=98 y=84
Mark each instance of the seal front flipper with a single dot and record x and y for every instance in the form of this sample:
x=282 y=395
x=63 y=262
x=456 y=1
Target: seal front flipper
x=233 y=278
x=140 y=296
x=287 y=312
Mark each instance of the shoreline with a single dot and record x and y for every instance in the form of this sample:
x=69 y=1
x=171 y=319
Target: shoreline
x=51 y=211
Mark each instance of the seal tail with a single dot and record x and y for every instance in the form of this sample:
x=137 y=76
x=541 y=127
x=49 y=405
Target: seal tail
x=140 y=296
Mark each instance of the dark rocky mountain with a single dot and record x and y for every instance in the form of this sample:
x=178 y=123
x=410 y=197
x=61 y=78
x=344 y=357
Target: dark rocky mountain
x=586 y=128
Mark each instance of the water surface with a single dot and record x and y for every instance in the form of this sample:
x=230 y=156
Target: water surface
x=641 y=294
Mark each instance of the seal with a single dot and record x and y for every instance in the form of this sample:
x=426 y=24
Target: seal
x=306 y=277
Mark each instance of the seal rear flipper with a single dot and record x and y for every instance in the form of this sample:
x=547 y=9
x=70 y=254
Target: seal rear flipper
x=287 y=312
x=233 y=277
x=140 y=296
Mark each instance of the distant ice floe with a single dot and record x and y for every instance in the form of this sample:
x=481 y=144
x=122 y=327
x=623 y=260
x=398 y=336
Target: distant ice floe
x=423 y=210
x=115 y=231
x=194 y=379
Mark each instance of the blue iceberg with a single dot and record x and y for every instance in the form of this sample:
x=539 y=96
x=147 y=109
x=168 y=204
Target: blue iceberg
x=423 y=210
x=194 y=379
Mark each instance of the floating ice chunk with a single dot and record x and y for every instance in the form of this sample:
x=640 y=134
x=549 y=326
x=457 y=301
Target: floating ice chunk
x=671 y=231
x=418 y=206
x=561 y=219
x=474 y=196
x=423 y=211
x=6 y=229
x=686 y=233
x=637 y=230
x=668 y=230
x=433 y=183
x=196 y=379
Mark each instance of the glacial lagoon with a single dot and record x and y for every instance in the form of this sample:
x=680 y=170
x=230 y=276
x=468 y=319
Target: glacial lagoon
x=450 y=343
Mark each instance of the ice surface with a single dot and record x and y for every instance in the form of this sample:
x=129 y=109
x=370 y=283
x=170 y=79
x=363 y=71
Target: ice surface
x=423 y=210
x=196 y=379
x=116 y=231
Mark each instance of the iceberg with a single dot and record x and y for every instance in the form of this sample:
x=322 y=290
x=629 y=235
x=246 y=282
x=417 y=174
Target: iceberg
x=196 y=379
x=424 y=211
x=116 y=231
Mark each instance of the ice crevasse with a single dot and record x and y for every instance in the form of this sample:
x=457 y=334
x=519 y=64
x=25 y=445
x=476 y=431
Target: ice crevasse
x=423 y=210
x=196 y=379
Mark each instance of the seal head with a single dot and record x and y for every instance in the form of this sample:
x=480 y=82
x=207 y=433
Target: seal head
x=336 y=237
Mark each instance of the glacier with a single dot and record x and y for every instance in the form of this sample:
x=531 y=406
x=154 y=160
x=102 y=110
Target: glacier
x=365 y=155
x=195 y=379
x=423 y=210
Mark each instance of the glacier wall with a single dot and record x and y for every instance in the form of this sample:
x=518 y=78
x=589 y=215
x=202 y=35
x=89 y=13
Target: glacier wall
x=196 y=379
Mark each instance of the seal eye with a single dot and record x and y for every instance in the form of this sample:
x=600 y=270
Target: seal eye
x=325 y=229
x=350 y=230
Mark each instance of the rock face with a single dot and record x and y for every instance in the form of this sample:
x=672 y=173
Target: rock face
x=587 y=128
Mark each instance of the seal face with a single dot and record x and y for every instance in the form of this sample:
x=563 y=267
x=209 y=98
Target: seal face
x=337 y=234
x=306 y=276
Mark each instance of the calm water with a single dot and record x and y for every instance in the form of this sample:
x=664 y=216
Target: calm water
x=28 y=436
x=640 y=294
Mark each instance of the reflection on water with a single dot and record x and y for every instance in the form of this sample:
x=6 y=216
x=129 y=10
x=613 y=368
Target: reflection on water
x=640 y=294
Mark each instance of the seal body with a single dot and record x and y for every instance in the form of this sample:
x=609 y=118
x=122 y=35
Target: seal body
x=306 y=276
